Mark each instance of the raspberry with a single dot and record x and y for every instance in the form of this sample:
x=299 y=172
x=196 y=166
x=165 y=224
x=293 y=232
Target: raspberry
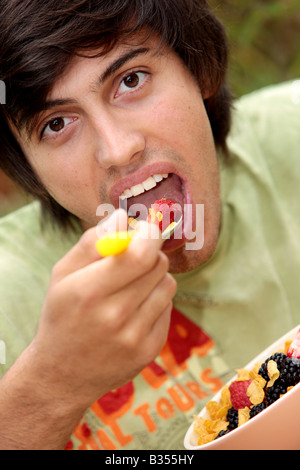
x=163 y=213
x=294 y=349
x=238 y=394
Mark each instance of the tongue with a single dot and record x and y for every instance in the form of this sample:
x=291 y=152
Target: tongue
x=169 y=188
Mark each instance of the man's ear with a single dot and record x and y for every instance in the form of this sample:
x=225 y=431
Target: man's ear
x=208 y=89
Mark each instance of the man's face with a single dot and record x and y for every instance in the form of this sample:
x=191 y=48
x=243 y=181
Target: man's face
x=114 y=122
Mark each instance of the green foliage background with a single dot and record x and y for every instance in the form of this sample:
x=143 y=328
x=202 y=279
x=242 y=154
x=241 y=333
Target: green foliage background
x=264 y=37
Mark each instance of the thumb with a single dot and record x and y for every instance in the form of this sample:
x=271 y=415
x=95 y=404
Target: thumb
x=84 y=252
x=117 y=222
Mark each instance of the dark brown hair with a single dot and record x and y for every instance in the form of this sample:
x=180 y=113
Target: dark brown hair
x=38 y=38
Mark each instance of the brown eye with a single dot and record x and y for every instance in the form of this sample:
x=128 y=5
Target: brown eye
x=132 y=80
x=57 y=125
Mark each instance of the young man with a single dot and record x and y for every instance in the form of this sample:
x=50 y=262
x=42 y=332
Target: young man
x=104 y=98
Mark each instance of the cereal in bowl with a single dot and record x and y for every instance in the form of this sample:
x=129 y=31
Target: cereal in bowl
x=250 y=393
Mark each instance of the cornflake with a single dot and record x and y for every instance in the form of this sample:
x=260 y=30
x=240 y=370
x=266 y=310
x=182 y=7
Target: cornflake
x=273 y=373
x=244 y=416
x=256 y=392
x=254 y=375
x=225 y=397
x=208 y=429
x=287 y=346
x=243 y=375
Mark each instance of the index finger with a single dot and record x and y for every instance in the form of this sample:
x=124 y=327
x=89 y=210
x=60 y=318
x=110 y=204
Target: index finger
x=84 y=252
x=114 y=273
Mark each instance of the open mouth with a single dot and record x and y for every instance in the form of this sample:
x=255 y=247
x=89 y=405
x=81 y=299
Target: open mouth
x=138 y=199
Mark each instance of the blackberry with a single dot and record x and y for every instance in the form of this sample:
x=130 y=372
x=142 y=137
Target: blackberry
x=289 y=369
x=279 y=358
x=290 y=373
x=222 y=433
x=273 y=393
x=257 y=409
x=233 y=419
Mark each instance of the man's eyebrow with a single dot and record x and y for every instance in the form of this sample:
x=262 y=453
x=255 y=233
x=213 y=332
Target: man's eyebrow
x=48 y=105
x=53 y=103
x=117 y=64
x=111 y=69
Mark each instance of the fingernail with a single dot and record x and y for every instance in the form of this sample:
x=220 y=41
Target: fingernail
x=115 y=223
x=146 y=231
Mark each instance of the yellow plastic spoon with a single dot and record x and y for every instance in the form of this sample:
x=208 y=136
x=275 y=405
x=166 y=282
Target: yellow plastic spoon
x=116 y=243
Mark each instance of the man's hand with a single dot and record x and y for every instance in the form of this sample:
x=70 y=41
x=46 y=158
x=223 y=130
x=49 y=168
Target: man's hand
x=107 y=317
x=103 y=321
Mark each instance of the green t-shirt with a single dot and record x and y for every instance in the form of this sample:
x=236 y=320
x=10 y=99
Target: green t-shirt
x=226 y=311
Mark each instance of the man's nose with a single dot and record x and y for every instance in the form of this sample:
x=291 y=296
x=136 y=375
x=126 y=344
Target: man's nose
x=119 y=141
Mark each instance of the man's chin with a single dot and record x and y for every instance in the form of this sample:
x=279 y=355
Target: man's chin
x=183 y=260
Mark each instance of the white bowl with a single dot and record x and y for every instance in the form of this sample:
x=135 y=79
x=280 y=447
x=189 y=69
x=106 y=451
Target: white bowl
x=275 y=428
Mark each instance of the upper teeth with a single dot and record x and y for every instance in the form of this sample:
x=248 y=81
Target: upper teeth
x=148 y=184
